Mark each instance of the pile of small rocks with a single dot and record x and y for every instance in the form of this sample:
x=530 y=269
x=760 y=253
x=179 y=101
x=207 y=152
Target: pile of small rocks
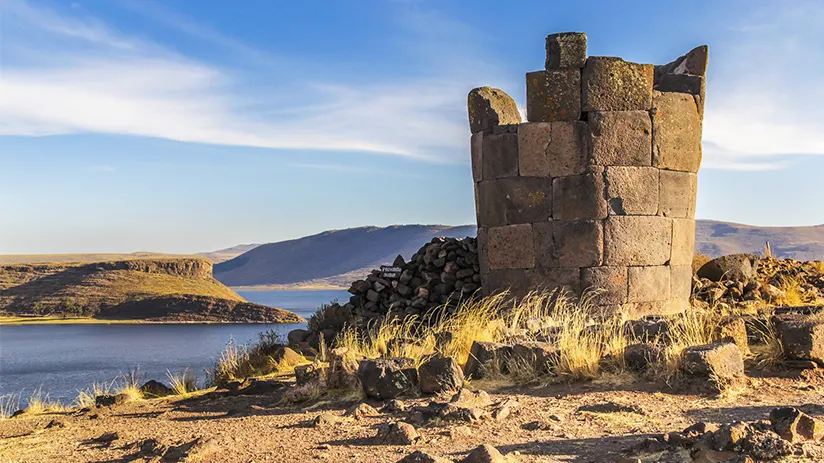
x=441 y=273
x=785 y=433
x=742 y=280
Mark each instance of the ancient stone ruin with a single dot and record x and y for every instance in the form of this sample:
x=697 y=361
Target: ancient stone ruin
x=597 y=189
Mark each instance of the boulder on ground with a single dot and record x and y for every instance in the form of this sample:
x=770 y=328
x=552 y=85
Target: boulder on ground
x=107 y=400
x=539 y=356
x=315 y=372
x=795 y=426
x=296 y=337
x=720 y=360
x=485 y=454
x=152 y=388
x=802 y=337
x=361 y=410
x=440 y=374
x=733 y=330
x=485 y=357
x=388 y=378
x=398 y=433
x=284 y=358
x=420 y=457
x=733 y=267
x=639 y=357
x=343 y=367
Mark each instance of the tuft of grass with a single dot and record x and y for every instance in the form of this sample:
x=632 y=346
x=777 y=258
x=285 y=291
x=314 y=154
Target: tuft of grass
x=9 y=404
x=792 y=291
x=183 y=383
x=40 y=403
x=770 y=353
x=698 y=261
x=691 y=328
x=238 y=362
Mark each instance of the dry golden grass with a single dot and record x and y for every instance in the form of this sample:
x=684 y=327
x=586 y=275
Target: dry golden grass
x=691 y=328
x=9 y=404
x=238 y=362
x=699 y=260
x=182 y=383
x=792 y=291
x=40 y=403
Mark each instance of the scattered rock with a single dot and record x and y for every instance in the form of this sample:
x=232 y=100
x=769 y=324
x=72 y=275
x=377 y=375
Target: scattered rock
x=327 y=419
x=485 y=357
x=154 y=388
x=795 y=426
x=638 y=357
x=398 y=433
x=801 y=337
x=107 y=400
x=468 y=398
x=537 y=356
x=611 y=407
x=388 y=378
x=312 y=373
x=55 y=424
x=394 y=406
x=485 y=454
x=440 y=374
x=722 y=360
x=421 y=457
x=362 y=410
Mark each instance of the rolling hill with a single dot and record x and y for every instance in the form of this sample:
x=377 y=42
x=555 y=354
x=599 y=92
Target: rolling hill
x=136 y=289
x=336 y=258
x=331 y=258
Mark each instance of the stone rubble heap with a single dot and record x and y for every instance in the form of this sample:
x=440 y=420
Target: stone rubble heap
x=787 y=432
x=748 y=280
x=441 y=273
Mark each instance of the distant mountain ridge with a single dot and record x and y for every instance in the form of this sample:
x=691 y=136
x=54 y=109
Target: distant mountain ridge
x=326 y=259
x=337 y=257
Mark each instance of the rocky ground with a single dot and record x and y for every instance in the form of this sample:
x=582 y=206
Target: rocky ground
x=614 y=419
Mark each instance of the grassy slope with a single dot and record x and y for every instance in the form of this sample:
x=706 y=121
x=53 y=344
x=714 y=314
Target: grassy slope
x=28 y=289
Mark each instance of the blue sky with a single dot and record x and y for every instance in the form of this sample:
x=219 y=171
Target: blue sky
x=183 y=126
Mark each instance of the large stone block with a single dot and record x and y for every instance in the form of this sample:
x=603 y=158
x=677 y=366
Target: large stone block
x=533 y=142
x=612 y=84
x=683 y=241
x=676 y=132
x=637 y=240
x=483 y=251
x=553 y=95
x=608 y=284
x=510 y=247
x=648 y=284
x=620 y=138
x=476 y=145
x=544 y=243
x=680 y=282
x=526 y=199
x=681 y=83
x=567 y=50
x=547 y=279
x=802 y=337
x=489 y=107
x=693 y=63
x=678 y=192
x=579 y=197
x=579 y=243
x=500 y=155
x=512 y=280
x=719 y=360
x=491 y=211
x=567 y=151
x=632 y=190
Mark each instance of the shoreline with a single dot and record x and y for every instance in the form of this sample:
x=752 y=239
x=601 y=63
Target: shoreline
x=12 y=321
x=288 y=288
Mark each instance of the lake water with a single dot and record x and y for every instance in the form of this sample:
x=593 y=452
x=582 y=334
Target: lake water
x=61 y=360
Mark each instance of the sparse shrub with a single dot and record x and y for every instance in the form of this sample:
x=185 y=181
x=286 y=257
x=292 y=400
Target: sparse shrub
x=246 y=361
x=183 y=383
x=9 y=404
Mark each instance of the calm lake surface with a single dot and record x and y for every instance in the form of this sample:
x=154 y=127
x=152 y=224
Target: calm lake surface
x=61 y=360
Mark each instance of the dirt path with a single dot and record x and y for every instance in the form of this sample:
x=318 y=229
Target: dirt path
x=557 y=423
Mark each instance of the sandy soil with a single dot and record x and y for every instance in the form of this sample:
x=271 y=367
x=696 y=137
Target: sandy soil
x=554 y=423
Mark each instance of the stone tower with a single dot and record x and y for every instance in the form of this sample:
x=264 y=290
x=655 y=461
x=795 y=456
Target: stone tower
x=597 y=190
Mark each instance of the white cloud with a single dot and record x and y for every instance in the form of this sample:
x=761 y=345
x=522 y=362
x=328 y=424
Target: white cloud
x=765 y=98
x=75 y=75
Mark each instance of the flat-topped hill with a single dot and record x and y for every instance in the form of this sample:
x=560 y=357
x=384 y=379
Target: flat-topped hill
x=150 y=289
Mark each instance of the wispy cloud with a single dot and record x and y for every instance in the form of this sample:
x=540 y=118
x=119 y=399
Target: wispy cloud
x=71 y=73
x=765 y=98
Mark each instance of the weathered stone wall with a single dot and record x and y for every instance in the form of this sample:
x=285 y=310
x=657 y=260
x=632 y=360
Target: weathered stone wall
x=597 y=189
